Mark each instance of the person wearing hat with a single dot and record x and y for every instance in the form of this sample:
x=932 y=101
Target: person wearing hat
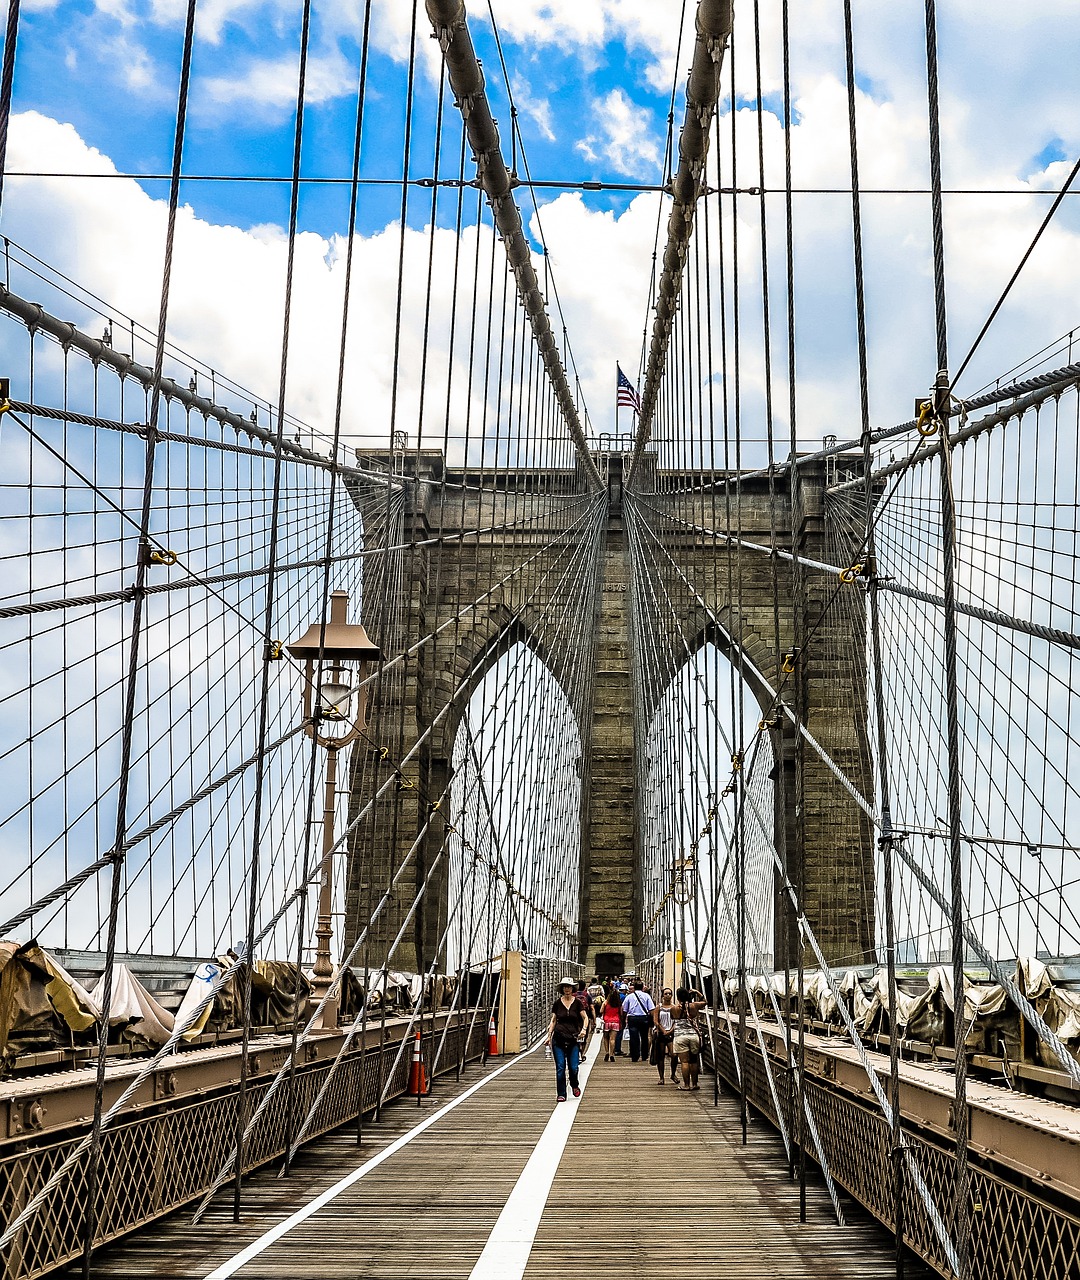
x=569 y=1022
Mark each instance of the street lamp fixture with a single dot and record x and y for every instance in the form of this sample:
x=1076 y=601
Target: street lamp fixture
x=330 y=652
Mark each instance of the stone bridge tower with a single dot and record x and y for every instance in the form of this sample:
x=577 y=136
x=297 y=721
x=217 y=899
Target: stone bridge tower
x=829 y=844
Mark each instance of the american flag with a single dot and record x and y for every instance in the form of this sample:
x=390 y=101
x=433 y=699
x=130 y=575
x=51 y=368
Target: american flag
x=625 y=395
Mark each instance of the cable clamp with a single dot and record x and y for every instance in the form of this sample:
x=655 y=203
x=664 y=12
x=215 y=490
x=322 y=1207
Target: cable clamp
x=274 y=651
x=736 y=761
x=926 y=422
x=788 y=664
x=405 y=784
x=5 y=395
x=158 y=556
x=851 y=574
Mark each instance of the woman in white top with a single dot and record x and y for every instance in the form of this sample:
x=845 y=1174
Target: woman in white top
x=663 y=1033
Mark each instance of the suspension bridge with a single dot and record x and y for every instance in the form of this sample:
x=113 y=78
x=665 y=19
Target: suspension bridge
x=342 y=717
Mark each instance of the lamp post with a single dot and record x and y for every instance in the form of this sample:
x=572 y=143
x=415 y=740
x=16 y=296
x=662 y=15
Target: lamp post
x=329 y=650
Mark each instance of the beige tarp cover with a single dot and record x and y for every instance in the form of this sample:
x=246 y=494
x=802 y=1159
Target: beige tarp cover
x=286 y=991
x=201 y=982
x=980 y=998
x=1059 y=1007
x=38 y=997
x=274 y=992
x=70 y=998
x=865 y=999
x=408 y=988
x=28 y=1021
x=906 y=1005
x=134 y=1006
x=818 y=990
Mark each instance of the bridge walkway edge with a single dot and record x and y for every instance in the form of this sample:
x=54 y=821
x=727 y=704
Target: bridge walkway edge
x=636 y=1152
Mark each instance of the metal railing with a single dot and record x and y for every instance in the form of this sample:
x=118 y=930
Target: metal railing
x=152 y=1164
x=1015 y=1233
x=539 y=974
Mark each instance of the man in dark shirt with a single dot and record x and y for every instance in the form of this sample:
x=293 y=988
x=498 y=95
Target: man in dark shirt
x=568 y=1024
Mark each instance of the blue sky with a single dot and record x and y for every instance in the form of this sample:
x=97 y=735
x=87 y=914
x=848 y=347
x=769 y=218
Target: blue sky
x=110 y=69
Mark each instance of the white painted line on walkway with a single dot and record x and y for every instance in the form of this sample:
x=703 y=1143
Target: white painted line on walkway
x=320 y=1201
x=506 y=1254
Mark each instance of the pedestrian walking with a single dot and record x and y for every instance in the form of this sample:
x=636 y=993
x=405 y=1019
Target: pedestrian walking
x=619 y=997
x=637 y=1010
x=581 y=995
x=612 y=1023
x=596 y=995
x=663 y=1035
x=686 y=1034
x=568 y=1024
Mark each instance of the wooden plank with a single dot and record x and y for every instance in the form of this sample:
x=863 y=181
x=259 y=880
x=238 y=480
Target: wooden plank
x=674 y=1164
x=669 y=1161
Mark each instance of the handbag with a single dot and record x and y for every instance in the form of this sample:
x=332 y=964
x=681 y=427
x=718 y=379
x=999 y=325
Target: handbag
x=687 y=1033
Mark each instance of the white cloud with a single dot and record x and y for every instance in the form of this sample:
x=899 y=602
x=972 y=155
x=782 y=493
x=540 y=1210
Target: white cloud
x=213 y=16
x=141 y=73
x=533 y=107
x=272 y=82
x=586 y=26
x=120 y=10
x=623 y=136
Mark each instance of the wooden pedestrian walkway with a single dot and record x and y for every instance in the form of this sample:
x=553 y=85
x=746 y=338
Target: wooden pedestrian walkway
x=651 y=1181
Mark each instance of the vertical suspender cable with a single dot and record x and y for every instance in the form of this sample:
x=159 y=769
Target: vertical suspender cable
x=361 y=96
x=961 y=1208
x=713 y=30
x=448 y=19
x=776 y=736
x=268 y=623
x=137 y=626
x=402 y=597
x=886 y=839
x=739 y=680
x=798 y=583
x=7 y=82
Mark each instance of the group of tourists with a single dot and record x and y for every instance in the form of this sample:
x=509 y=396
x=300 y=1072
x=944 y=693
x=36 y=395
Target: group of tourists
x=667 y=1034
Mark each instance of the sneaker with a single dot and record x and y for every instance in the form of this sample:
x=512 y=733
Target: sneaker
x=561 y=1097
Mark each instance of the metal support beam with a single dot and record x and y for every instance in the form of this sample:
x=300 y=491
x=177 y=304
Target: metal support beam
x=37 y=319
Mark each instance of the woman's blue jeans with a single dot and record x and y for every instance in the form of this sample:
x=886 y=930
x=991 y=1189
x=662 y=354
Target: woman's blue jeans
x=565 y=1058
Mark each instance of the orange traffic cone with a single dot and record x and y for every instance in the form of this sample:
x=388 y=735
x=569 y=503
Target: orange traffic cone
x=493 y=1040
x=417 y=1078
